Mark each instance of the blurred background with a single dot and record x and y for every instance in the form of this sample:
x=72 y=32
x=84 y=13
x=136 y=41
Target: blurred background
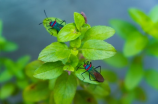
x=21 y=18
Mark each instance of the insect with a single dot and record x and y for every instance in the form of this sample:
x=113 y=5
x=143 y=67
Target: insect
x=57 y=24
x=92 y=72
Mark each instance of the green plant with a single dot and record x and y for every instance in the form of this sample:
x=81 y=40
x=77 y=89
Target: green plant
x=55 y=75
x=12 y=76
x=138 y=45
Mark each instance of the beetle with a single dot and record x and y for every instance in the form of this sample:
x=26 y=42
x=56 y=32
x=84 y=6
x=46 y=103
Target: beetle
x=92 y=72
x=54 y=24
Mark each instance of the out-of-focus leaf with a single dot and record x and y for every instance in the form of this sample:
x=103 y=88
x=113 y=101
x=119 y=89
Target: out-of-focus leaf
x=99 y=91
x=79 y=20
x=6 y=90
x=118 y=60
x=123 y=28
x=31 y=67
x=51 y=99
x=68 y=68
x=112 y=100
x=65 y=89
x=68 y=33
x=49 y=29
x=74 y=51
x=134 y=44
x=21 y=62
x=52 y=83
x=134 y=74
x=97 y=50
x=9 y=46
x=73 y=61
x=36 y=92
x=151 y=77
x=110 y=76
x=127 y=98
x=54 y=52
x=140 y=94
x=22 y=83
x=141 y=18
x=154 y=31
x=75 y=43
x=49 y=70
x=5 y=76
x=99 y=33
x=153 y=14
x=83 y=97
x=152 y=48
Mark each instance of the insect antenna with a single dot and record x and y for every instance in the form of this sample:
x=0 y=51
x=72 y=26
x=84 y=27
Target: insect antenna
x=45 y=14
x=40 y=23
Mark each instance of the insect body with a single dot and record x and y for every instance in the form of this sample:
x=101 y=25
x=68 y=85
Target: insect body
x=57 y=24
x=92 y=72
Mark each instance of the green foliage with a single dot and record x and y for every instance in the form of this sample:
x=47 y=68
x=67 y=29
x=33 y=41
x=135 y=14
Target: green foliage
x=109 y=75
x=79 y=20
x=151 y=77
x=65 y=89
x=152 y=48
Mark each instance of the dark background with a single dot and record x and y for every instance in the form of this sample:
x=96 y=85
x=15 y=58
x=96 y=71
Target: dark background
x=21 y=18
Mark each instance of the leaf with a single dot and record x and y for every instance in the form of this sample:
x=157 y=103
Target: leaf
x=84 y=29
x=84 y=97
x=52 y=83
x=31 y=67
x=140 y=94
x=22 y=83
x=9 y=46
x=49 y=29
x=127 y=98
x=21 y=62
x=99 y=33
x=79 y=20
x=152 y=47
x=68 y=33
x=97 y=50
x=153 y=14
x=151 y=77
x=54 y=52
x=73 y=60
x=68 y=68
x=51 y=100
x=74 y=52
x=5 y=76
x=134 y=44
x=6 y=90
x=118 y=60
x=123 y=28
x=85 y=75
x=110 y=76
x=49 y=70
x=99 y=91
x=65 y=89
x=134 y=74
x=36 y=92
x=75 y=43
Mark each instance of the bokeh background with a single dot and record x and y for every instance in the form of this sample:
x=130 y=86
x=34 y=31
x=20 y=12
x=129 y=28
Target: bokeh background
x=21 y=18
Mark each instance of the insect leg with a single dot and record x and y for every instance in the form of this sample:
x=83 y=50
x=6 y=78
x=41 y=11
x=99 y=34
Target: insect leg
x=98 y=67
x=79 y=67
x=83 y=73
x=50 y=31
x=90 y=77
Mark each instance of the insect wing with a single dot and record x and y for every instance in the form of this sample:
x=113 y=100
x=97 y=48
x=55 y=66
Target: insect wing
x=98 y=76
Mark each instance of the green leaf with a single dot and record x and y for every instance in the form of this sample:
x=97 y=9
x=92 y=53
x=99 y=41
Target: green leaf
x=84 y=29
x=141 y=18
x=51 y=100
x=110 y=76
x=153 y=14
x=22 y=83
x=123 y=28
x=85 y=75
x=9 y=46
x=75 y=43
x=54 y=52
x=99 y=91
x=73 y=60
x=1 y=28
x=6 y=90
x=152 y=47
x=140 y=94
x=68 y=68
x=52 y=83
x=118 y=60
x=49 y=29
x=79 y=20
x=84 y=97
x=154 y=31
x=36 y=92
x=21 y=62
x=65 y=89
x=134 y=74
x=31 y=67
x=74 y=52
x=134 y=44
x=99 y=33
x=5 y=76
x=151 y=77
x=49 y=70
x=68 y=33
x=97 y=50
x=127 y=98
